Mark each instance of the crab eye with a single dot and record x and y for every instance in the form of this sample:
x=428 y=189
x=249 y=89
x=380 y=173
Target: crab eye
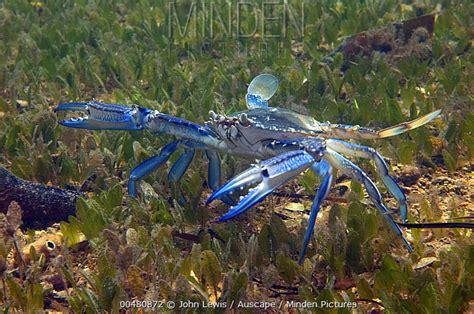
x=50 y=245
x=243 y=119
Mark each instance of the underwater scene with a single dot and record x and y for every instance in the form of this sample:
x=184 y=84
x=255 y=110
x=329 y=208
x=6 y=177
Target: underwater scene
x=236 y=156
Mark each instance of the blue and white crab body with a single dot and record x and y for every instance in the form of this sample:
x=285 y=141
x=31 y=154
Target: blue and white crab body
x=288 y=143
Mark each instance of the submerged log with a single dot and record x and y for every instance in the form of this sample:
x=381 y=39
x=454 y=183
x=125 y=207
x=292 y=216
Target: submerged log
x=42 y=205
x=395 y=41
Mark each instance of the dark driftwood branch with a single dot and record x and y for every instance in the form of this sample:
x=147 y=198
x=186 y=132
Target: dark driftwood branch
x=42 y=205
x=398 y=39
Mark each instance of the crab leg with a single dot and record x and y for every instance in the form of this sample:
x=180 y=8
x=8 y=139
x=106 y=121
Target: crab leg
x=149 y=166
x=324 y=170
x=356 y=132
x=271 y=173
x=181 y=165
x=260 y=90
x=214 y=175
x=353 y=171
x=214 y=170
x=381 y=168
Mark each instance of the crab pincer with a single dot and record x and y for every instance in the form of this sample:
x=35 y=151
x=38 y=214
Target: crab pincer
x=101 y=116
x=270 y=174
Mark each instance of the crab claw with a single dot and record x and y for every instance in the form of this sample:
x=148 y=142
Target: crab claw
x=247 y=177
x=271 y=173
x=102 y=116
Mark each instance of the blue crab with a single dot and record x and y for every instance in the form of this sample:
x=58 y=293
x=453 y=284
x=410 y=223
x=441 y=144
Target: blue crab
x=288 y=143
